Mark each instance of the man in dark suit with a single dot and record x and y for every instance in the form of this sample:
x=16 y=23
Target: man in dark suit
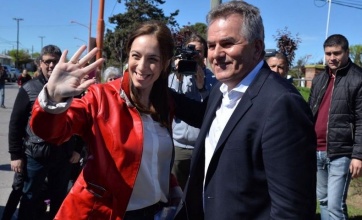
x=255 y=154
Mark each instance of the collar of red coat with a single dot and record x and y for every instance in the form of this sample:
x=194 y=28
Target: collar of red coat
x=126 y=93
x=125 y=84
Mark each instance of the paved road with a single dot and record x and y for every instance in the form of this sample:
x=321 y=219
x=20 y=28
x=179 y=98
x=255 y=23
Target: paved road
x=6 y=175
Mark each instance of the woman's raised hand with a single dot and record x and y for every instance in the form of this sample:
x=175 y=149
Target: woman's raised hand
x=66 y=79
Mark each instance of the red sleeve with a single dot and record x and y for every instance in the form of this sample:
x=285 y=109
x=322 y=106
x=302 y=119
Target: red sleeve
x=173 y=181
x=19 y=80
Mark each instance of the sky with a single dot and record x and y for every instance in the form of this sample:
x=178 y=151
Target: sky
x=49 y=22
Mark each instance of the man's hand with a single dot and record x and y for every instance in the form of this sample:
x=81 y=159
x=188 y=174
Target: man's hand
x=355 y=168
x=17 y=165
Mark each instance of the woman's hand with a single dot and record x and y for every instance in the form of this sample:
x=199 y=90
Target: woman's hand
x=67 y=78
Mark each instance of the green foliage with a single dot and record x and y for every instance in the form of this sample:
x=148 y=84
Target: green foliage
x=23 y=56
x=355 y=52
x=137 y=11
x=185 y=32
x=35 y=55
x=200 y=28
x=304 y=91
x=353 y=200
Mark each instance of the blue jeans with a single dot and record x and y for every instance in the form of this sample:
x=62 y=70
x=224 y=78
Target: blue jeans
x=2 y=94
x=333 y=178
x=57 y=171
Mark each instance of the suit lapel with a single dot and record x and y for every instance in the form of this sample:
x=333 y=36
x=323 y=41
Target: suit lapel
x=244 y=105
x=213 y=104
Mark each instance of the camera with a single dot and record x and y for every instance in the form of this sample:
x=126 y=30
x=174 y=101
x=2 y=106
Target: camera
x=187 y=65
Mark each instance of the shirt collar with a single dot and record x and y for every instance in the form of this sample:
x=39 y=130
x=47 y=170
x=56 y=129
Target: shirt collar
x=245 y=83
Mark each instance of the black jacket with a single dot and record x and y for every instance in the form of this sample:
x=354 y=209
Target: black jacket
x=344 y=135
x=21 y=138
x=264 y=163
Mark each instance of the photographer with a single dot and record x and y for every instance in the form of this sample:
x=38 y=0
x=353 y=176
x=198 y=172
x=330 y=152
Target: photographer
x=192 y=78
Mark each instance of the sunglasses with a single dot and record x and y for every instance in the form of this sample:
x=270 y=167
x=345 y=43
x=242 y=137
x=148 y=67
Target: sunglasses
x=48 y=62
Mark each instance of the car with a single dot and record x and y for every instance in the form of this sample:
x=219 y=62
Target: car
x=14 y=73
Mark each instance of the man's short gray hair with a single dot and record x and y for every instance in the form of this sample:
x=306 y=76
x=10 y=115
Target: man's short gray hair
x=252 y=26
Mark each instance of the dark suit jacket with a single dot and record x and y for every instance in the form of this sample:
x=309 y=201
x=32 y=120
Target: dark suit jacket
x=264 y=165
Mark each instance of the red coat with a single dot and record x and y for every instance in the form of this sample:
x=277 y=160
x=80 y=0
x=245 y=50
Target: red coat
x=113 y=130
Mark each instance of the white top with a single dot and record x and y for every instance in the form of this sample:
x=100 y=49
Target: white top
x=153 y=179
x=152 y=183
x=229 y=102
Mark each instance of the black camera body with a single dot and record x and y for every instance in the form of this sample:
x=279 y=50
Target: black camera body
x=187 y=65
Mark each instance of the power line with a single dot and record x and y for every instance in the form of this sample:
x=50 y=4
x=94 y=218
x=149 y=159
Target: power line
x=350 y=5
x=347 y=3
x=17 y=41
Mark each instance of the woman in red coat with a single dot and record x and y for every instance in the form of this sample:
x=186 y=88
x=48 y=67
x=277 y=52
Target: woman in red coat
x=126 y=124
x=23 y=78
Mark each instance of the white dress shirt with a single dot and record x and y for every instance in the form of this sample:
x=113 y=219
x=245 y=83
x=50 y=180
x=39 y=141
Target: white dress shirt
x=229 y=102
x=152 y=182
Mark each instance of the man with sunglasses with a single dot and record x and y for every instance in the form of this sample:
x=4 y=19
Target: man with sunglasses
x=32 y=159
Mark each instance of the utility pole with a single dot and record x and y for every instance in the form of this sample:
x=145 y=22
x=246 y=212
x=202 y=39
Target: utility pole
x=90 y=26
x=17 y=41
x=100 y=33
x=41 y=42
x=328 y=15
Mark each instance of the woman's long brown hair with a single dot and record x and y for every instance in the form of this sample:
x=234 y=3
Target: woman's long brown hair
x=159 y=97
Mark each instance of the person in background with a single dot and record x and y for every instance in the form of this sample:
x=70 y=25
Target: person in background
x=112 y=73
x=250 y=161
x=23 y=78
x=33 y=159
x=2 y=86
x=335 y=100
x=126 y=124
x=278 y=63
x=196 y=87
x=36 y=67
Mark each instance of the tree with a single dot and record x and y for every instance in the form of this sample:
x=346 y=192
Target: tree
x=137 y=11
x=355 y=52
x=24 y=57
x=299 y=70
x=185 y=32
x=35 y=55
x=199 y=28
x=287 y=44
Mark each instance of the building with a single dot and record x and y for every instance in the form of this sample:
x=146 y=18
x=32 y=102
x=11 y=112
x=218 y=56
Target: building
x=311 y=71
x=6 y=60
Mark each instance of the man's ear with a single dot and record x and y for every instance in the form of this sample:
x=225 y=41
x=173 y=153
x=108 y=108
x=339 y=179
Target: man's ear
x=259 y=49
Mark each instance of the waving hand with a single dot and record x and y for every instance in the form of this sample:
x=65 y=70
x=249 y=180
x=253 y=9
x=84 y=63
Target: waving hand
x=66 y=78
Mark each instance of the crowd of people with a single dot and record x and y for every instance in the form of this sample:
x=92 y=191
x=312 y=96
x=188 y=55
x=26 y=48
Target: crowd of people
x=232 y=140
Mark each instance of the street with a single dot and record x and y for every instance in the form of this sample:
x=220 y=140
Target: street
x=6 y=175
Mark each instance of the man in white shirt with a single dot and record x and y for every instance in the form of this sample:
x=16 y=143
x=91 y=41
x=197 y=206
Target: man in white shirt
x=255 y=154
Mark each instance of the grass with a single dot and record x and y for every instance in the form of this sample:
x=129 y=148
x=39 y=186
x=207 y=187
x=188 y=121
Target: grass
x=304 y=91
x=354 y=200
